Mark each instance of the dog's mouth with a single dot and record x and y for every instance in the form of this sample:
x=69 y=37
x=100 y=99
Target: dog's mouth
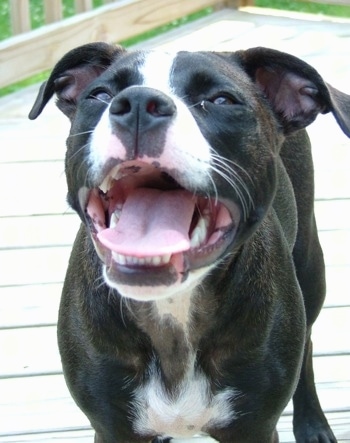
x=149 y=230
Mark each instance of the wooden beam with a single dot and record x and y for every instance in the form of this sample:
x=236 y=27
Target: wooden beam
x=20 y=16
x=22 y=57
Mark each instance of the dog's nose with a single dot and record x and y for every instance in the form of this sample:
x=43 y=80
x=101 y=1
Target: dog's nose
x=140 y=109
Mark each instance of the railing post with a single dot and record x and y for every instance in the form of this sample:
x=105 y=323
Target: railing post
x=53 y=10
x=20 y=16
x=83 y=5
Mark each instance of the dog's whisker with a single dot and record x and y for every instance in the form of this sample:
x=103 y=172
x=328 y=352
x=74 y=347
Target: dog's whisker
x=194 y=105
x=235 y=185
x=98 y=285
x=77 y=134
x=100 y=100
x=232 y=169
x=78 y=151
x=214 y=187
x=124 y=303
x=226 y=162
x=84 y=163
x=229 y=174
x=238 y=179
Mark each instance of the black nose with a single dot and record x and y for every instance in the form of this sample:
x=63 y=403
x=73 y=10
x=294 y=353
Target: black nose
x=141 y=109
x=140 y=117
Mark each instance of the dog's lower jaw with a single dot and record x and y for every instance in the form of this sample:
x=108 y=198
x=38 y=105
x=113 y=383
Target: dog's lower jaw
x=151 y=232
x=157 y=292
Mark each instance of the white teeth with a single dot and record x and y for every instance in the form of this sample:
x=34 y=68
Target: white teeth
x=115 y=217
x=119 y=258
x=113 y=221
x=125 y=260
x=106 y=185
x=199 y=234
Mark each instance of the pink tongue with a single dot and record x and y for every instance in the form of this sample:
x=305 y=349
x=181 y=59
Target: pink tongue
x=152 y=222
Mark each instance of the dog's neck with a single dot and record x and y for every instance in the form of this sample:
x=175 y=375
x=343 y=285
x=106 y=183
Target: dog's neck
x=169 y=323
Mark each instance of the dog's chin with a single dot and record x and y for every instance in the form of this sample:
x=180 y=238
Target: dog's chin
x=147 y=282
x=130 y=283
x=154 y=236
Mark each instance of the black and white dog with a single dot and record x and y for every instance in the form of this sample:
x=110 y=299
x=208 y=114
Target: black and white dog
x=197 y=272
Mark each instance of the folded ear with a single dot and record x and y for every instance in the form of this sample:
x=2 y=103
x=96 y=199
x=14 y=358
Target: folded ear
x=72 y=74
x=295 y=90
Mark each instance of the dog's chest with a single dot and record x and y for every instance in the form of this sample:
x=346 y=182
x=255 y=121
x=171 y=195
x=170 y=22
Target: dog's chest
x=189 y=406
x=191 y=410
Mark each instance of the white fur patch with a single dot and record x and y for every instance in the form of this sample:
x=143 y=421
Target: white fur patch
x=184 y=414
x=157 y=70
x=185 y=148
x=159 y=292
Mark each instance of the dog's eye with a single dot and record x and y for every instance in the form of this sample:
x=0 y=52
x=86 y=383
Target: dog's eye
x=223 y=100
x=101 y=95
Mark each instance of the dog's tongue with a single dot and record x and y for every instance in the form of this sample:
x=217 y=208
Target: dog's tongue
x=152 y=222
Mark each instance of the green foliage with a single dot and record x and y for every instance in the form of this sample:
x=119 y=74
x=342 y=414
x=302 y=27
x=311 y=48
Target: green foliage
x=306 y=6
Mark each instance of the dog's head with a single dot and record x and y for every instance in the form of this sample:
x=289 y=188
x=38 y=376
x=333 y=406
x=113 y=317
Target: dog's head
x=171 y=159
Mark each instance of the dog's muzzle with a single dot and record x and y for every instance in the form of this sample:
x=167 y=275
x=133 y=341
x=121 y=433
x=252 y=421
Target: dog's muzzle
x=148 y=230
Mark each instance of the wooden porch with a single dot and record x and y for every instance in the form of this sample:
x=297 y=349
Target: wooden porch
x=37 y=229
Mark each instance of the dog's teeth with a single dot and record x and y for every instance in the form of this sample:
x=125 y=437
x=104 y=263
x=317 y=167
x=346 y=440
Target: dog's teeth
x=115 y=217
x=199 y=233
x=159 y=260
x=114 y=220
x=125 y=260
x=119 y=258
x=106 y=184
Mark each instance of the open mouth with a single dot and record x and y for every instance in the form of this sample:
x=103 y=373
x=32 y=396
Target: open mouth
x=149 y=230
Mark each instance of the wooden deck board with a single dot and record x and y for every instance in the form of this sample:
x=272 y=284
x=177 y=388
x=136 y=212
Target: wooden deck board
x=37 y=229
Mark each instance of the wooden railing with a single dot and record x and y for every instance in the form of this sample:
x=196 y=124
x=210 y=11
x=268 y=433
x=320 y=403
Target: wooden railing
x=53 y=9
x=20 y=12
x=32 y=52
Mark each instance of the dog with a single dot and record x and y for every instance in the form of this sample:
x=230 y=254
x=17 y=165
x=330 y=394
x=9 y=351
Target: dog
x=197 y=272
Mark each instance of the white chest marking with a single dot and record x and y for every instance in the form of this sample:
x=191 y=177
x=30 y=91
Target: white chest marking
x=188 y=412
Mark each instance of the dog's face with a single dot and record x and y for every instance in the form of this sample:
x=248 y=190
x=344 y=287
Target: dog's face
x=163 y=182
x=171 y=159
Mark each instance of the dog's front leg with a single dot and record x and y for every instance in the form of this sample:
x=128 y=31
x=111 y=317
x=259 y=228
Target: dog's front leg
x=309 y=420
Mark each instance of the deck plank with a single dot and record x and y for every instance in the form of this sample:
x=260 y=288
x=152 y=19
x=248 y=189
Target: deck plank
x=37 y=229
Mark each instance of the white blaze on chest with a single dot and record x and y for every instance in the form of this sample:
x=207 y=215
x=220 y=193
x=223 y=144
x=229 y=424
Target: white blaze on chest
x=191 y=411
x=191 y=407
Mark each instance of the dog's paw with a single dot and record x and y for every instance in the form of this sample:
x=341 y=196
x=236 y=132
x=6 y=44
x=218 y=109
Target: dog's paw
x=315 y=434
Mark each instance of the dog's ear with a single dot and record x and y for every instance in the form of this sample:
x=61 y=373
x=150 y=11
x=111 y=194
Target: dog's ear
x=72 y=74
x=295 y=90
